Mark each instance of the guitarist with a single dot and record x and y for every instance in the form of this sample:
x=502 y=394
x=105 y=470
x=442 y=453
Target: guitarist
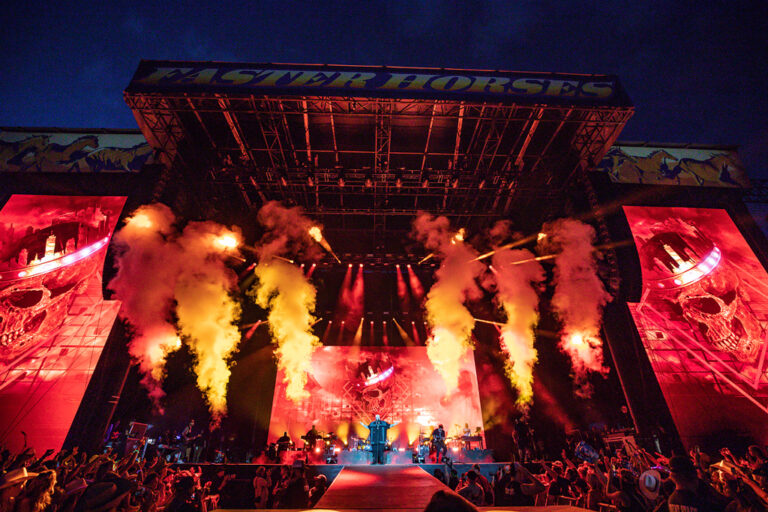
x=188 y=438
x=438 y=443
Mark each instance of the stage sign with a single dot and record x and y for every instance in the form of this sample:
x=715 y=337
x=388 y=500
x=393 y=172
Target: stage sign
x=703 y=319
x=351 y=384
x=53 y=319
x=319 y=80
x=40 y=151
x=674 y=166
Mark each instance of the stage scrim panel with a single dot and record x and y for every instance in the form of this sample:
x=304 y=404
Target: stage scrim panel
x=350 y=384
x=54 y=321
x=703 y=319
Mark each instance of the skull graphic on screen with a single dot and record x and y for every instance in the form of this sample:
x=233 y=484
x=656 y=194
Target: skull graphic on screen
x=718 y=307
x=25 y=314
x=34 y=308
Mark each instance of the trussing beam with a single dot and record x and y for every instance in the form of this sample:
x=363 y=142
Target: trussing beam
x=333 y=134
x=529 y=131
x=234 y=127
x=306 y=130
x=492 y=142
x=551 y=139
x=429 y=135
x=202 y=124
x=382 y=139
x=287 y=131
x=459 y=125
x=271 y=137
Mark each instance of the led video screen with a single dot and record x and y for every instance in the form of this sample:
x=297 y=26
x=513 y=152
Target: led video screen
x=702 y=319
x=53 y=318
x=349 y=384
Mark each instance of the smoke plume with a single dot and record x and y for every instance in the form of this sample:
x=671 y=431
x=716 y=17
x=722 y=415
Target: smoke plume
x=144 y=284
x=579 y=296
x=207 y=313
x=517 y=295
x=283 y=289
x=450 y=322
x=157 y=267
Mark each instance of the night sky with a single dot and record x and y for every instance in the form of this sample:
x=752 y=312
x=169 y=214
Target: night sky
x=696 y=71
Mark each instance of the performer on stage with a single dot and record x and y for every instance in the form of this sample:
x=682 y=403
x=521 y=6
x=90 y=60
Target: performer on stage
x=188 y=437
x=311 y=438
x=378 y=437
x=438 y=443
x=465 y=436
x=283 y=442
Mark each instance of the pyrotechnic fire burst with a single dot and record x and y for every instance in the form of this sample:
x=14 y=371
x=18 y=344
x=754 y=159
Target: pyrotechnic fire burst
x=317 y=236
x=227 y=241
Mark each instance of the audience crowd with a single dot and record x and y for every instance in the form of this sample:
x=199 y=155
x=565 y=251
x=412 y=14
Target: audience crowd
x=73 y=481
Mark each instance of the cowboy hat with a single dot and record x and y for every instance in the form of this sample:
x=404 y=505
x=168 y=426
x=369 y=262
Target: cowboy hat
x=650 y=484
x=15 y=477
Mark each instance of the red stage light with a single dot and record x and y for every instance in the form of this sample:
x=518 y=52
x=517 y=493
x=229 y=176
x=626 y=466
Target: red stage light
x=350 y=265
x=361 y=265
x=314 y=264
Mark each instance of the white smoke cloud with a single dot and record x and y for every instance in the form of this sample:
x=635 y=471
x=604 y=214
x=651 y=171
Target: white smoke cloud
x=145 y=283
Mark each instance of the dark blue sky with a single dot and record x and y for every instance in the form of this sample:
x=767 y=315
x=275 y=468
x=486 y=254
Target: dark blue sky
x=696 y=71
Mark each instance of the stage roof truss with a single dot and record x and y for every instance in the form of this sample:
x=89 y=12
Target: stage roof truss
x=340 y=156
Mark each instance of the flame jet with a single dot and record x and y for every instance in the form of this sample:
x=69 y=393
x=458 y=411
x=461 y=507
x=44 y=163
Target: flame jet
x=157 y=265
x=286 y=292
x=579 y=297
x=207 y=313
x=517 y=296
x=450 y=322
x=290 y=298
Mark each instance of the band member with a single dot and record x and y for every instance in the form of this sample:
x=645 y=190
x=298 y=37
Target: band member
x=378 y=437
x=438 y=443
x=311 y=438
x=187 y=440
x=283 y=442
x=465 y=435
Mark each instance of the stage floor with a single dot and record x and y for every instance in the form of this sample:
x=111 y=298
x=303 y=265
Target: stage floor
x=381 y=487
x=392 y=488
x=549 y=508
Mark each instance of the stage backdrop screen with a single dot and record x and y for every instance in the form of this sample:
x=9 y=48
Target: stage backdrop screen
x=348 y=384
x=53 y=318
x=702 y=319
x=690 y=167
